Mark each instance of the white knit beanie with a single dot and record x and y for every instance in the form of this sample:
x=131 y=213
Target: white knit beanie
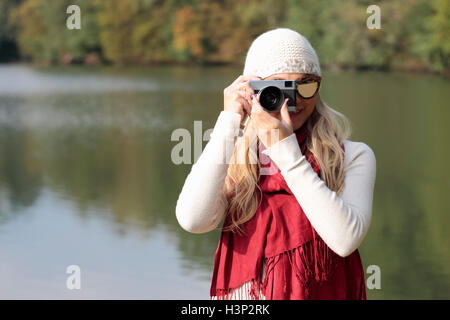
x=281 y=50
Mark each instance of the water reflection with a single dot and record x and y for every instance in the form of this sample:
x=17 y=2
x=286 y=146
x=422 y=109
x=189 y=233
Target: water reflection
x=86 y=178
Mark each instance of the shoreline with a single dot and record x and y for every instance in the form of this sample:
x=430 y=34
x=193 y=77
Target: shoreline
x=415 y=70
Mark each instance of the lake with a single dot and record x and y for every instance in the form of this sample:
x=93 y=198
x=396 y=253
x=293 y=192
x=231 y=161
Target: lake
x=86 y=179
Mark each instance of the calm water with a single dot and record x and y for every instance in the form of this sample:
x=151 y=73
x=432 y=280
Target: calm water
x=86 y=179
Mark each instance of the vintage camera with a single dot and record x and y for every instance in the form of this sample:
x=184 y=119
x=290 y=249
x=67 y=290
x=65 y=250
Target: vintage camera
x=272 y=93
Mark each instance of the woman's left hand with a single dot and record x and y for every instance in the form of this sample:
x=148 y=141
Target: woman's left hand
x=266 y=123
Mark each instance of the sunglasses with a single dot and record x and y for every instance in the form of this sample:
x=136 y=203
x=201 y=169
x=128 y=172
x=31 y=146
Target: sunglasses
x=308 y=86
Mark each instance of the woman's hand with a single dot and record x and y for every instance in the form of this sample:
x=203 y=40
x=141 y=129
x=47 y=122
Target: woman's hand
x=267 y=124
x=237 y=96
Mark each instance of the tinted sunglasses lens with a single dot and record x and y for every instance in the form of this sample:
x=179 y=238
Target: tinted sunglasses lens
x=307 y=90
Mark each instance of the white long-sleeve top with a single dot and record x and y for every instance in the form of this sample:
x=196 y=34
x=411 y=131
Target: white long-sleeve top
x=341 y=221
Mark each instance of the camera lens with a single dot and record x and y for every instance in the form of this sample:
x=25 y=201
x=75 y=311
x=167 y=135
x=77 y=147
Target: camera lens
x=271 y=98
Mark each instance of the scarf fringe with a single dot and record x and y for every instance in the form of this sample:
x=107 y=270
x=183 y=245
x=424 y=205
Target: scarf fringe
x=250 y=290
x=311 y=260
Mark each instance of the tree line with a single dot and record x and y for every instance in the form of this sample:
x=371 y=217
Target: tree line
x=414 y=34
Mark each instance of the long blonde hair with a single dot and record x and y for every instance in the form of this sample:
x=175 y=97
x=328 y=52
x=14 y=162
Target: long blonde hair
x=328 y=129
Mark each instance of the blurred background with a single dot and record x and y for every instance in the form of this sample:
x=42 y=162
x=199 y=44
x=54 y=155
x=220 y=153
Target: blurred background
x=86 y=118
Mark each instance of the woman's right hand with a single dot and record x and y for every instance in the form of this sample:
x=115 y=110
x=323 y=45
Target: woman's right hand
x=237 y=96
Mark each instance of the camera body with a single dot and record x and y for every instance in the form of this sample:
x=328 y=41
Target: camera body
x=272 y=93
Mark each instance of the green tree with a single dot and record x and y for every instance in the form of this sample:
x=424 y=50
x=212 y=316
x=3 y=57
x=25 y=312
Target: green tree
x=43 y=35
x=8 y=33
x=431 y=39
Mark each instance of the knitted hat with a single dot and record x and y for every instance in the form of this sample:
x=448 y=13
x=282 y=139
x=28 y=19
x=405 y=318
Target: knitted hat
x=281 y=50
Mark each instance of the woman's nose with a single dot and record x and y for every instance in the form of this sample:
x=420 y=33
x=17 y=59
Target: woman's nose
x=298 y=103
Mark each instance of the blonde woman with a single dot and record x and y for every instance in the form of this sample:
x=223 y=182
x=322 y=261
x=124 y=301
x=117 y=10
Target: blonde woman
x=295 y=205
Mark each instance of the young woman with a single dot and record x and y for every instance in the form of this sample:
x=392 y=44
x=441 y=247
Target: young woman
x=295 y=205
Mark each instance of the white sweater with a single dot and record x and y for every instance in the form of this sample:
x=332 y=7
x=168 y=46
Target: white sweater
x=341 y=221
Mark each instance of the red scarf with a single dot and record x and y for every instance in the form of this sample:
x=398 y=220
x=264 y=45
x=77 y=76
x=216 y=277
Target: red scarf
x=298 y=263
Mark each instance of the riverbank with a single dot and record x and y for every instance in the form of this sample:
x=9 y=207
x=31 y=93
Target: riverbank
x=412 y=68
